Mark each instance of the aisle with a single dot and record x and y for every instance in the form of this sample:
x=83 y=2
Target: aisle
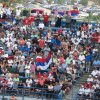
x=73 y=93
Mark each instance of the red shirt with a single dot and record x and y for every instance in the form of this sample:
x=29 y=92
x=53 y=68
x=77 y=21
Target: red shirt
x=88 y=85
x=41 y=43
x=1 y=52
x=61 y=60
x=39 y=75
x=59 y=31
x=45 y=18
x=98 y=39
x=85 y=28
x=45 y=76
x=41 y=81
x=26 y=21
x=31 y=19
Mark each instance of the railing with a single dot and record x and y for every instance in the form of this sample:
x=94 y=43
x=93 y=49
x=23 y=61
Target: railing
x=30 y=93
x=88 y=96
x=91 y=95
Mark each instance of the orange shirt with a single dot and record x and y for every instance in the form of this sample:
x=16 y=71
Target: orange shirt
x=61 y=60
x=41 y=81
x=41 y=43
x=21 y=41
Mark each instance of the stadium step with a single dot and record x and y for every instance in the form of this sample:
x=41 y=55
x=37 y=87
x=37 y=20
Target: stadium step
x=84 y=78
x=72 y=95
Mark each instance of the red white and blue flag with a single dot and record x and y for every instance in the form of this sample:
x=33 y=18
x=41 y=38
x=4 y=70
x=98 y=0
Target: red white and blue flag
x=43 y=63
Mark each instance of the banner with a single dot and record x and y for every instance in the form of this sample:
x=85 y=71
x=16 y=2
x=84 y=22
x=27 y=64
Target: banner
x=43 y=63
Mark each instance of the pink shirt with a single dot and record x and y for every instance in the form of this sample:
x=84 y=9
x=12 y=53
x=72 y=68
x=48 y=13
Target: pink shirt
x=32 y=67
x=61 y=60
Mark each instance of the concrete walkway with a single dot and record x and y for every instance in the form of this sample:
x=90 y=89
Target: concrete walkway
x=21 y=98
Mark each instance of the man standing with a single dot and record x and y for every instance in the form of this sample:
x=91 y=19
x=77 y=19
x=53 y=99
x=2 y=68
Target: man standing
x=18 y=12
x=88 y=59
x=46 y=18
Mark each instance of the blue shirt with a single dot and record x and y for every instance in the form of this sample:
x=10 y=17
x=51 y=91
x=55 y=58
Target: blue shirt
x=88 y=58
x=56 y=42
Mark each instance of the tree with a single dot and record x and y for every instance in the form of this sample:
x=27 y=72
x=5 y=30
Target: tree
x=84 y=2
x=73 y=1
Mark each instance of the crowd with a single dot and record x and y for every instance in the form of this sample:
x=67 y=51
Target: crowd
x=41 y=55
x=91 y=88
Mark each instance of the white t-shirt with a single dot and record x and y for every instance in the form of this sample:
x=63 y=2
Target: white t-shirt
x=50 y=77
x=1 y=12
x=22 y=58
x=27 y=69
x=98 y=29
x=3 y=40
x=18 y=12
x=90 y=79
x=81 y=57
x=10 y=83
x=81 y=91
x=90 y=26
x=82 y=34
x=15 y=46
x=8 y=11
x=41 y=25
x=4 y=10
x=87 y=91
x=28 y=44
x=28 y=82
x=78 y=33
x=68 y=70
x=10 y=61
x=9 y=44
x=94 y=73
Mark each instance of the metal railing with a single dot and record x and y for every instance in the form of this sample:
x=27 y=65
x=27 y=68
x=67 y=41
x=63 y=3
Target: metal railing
x=30 y=93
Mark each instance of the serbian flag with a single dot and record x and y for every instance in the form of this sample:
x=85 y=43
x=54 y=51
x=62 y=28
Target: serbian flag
x=26 y=21
x=74 y=12
x=43 y=63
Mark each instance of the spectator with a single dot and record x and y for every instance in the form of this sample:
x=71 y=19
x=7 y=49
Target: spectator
x=18 y=12
x=41 y=25
x=28 y=82
x=27 y=70
x=57 y=88
x=16 y=79
x=46 y=19
x=50 y=57
x=81 y=90
x=88 y=59
x=13 y=97
x=90 y=79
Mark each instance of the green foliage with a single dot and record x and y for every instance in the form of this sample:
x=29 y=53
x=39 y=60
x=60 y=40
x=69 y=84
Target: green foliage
x=73 y=1
x=96 y=2
x=84 y=2
x=94 y=18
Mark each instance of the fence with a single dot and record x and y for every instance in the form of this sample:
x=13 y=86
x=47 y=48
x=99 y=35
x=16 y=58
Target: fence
x=91 y=95
x=30 y=93
x=26 y=94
